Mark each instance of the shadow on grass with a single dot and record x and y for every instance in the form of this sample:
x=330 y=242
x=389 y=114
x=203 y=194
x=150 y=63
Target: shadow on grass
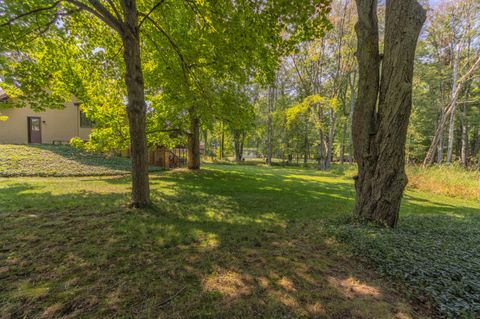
x=238 y=243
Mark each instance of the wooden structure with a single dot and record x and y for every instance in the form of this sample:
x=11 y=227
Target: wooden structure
x=168 y=158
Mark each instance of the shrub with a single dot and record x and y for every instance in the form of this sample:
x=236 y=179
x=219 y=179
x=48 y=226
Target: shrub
x=77 y=143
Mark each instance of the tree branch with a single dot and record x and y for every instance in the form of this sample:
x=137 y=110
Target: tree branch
x=25 y=14
x=114 y=8
x=170 y=40
x=114 y=24
x=150 y=12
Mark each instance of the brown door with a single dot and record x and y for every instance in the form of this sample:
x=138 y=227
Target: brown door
x=34 y=130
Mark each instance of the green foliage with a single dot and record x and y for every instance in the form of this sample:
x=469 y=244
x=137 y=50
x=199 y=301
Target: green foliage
x=435 y=255
x=77 y=143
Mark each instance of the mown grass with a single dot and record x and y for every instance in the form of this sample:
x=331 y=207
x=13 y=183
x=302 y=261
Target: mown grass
x=230 y=241
x=57 y=160
x=224 y=242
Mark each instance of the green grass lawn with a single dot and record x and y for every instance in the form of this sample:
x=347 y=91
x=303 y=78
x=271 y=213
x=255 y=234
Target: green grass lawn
x=57 y=160
x=229 y=242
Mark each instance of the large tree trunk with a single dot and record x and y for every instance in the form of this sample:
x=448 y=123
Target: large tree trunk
x=379 y=132
x=193 y=149
x=136 y=108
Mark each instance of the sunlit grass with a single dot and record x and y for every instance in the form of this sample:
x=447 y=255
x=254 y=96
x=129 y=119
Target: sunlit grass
x=228 y=241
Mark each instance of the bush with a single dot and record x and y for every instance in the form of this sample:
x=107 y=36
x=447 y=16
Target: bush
x=77 y=143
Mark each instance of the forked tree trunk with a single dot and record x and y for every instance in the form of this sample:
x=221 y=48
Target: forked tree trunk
x=136 y=108
x=193 y=149
x=379 y=132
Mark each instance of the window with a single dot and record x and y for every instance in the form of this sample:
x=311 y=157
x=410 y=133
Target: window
x=85 y=122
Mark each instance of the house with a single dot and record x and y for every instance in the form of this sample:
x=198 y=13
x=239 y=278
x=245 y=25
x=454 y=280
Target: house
x=23 y=125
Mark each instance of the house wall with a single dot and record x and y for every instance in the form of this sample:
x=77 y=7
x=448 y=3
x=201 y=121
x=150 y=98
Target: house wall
x=57 y=124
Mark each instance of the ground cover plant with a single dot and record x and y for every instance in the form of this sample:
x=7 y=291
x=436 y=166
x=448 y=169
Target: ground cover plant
x=228 y=241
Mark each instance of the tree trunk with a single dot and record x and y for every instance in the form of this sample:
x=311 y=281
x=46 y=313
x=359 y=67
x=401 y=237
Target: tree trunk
x=222 y=144
x=342 y=145
x=136 y=108
x=321 y=157
x=194 y=141
x=464 y=151
x=379 y=132
x=476 y=145
x=350 y=118
x=449 y=108
x=451 y=126
x=440 y=147
x=331 y=137
x=271 y=102
x=306 y=149
x=237 y=141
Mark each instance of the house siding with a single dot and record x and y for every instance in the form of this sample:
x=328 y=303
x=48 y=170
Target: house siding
x=57 y=125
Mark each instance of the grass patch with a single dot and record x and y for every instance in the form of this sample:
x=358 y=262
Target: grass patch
x=228 y=242
x=224 y=242
x=449 y=180
x=57 y=160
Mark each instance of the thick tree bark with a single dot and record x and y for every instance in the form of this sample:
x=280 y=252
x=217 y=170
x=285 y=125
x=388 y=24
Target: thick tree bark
x=136 y=108
x=193 y=149
x=383 y=107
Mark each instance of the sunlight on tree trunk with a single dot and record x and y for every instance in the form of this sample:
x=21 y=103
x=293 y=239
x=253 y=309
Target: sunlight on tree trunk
x=136 y=108
x=383 y=107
